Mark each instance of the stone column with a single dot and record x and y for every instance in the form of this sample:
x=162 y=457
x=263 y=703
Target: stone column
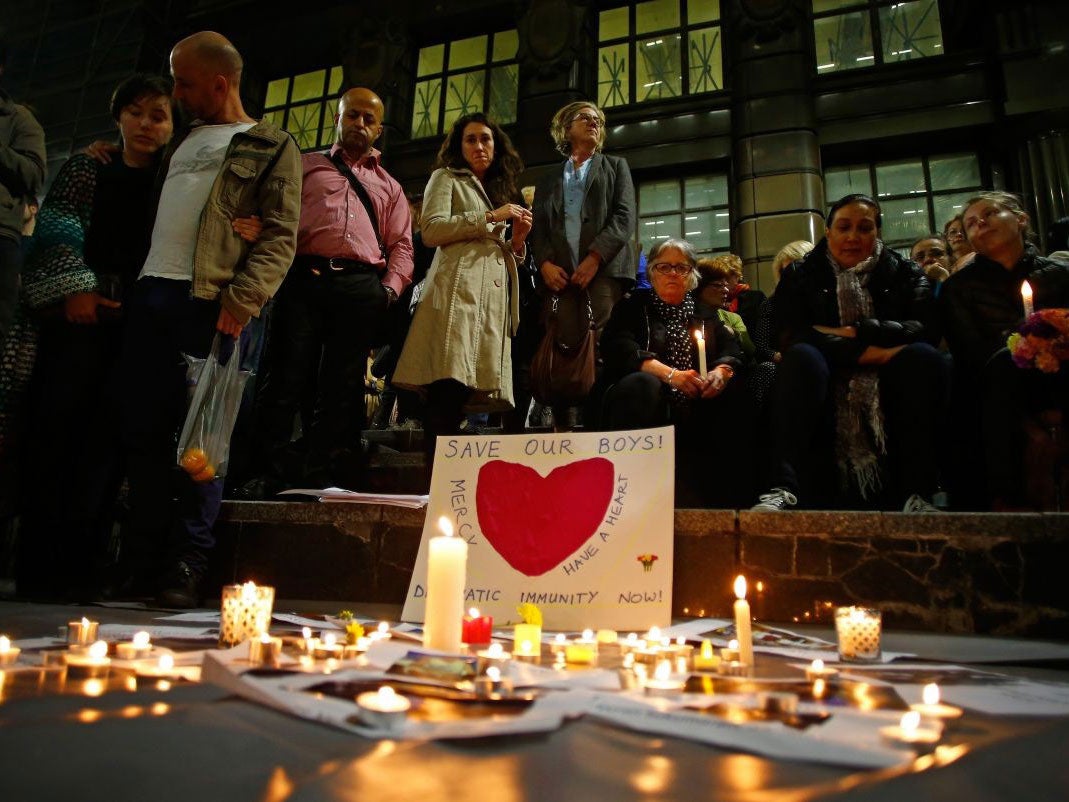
x=1043 y=164
x=779 y=188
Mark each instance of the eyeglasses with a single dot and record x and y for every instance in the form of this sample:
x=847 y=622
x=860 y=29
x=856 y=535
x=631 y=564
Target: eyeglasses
x=587 y=118
x=677 y=269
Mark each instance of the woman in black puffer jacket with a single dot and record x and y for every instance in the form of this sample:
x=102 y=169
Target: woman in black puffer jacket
x=854 y=322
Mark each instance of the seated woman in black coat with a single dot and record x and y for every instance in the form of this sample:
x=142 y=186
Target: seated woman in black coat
x=981 y=306
x=652 y=369
x=859 y=372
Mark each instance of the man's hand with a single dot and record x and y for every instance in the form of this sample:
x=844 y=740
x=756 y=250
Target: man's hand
x=554 y=276
x=101 y=151
x=248 y=228
x=82 y=306
x=588 y=268
x=228 y=324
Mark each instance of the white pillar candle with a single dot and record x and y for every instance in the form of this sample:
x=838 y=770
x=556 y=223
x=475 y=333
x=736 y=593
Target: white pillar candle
x=703 y=368
x=447 y=565
x=1026 y=299
x=742 y=622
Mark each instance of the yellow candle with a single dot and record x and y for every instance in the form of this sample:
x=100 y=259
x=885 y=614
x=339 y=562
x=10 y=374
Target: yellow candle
x=447 y=566
x=742 y=622
x=706 y=659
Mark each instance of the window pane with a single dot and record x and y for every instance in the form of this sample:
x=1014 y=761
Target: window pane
x=900 y=178
x=303 y=123
x=656 y=15
x=659 y=71
x=464 y=95
x=276 y=92
x=276 y=117
x=506 y=44
x=336 y=75
x=911 y=30
x=430 y=60
x=467 y=53
x=905 y=220
x=702 y=11
x=308 y=85
x=613 y=76
x=947 y=206
x=425 y=108
x=706 y=61
x=653 y=230
x=842 y=181
x=843 y=42
x=503 y=81
x=722 y=232
x=658 y=196
x=701 y=229
x=612 y=24
x=705 y=191
x=951 y=172
x=326 y=128
x=820 y=6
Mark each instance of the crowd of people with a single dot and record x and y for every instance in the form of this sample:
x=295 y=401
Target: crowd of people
x=865 y=379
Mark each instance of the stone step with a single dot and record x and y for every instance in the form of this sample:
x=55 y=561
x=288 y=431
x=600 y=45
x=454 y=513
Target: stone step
x=971 y=572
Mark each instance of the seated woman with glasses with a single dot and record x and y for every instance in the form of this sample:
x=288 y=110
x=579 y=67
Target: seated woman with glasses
x=652 y=371
x=859 y=376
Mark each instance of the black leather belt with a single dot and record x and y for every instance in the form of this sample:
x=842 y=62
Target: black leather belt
x=325 y=266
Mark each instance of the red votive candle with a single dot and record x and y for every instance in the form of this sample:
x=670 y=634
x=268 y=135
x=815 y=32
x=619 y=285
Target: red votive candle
x=476 y=628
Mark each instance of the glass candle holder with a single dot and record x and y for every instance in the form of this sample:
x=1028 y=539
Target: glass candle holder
x=858 y=630
x=245 y=613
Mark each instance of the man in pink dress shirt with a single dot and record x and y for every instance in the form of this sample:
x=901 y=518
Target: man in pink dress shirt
x=332 y=306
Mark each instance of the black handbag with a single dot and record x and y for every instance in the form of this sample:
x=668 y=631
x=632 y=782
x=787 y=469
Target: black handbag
x=562 y=374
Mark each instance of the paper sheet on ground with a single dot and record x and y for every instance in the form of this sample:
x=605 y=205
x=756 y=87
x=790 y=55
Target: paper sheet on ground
x=336 y=494
x=126 y=632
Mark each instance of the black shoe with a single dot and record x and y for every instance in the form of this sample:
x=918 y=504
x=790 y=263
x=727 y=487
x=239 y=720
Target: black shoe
x=258 y=489
x=180 y=588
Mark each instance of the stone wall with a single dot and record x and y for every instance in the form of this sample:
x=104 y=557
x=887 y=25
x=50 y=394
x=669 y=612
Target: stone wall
x=998 y=574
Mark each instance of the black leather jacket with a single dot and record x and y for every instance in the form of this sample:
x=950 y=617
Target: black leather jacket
x=981 y=305
x=634 y=334
x=806 y=296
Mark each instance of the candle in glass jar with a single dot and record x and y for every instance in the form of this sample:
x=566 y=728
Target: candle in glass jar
x=82 y=633
x=742 y=622
x=265 y=650
x=137 y=648
x=244 y=613
x=477 y=628
x=8 y=654
x=858 y=631
x=446 y=574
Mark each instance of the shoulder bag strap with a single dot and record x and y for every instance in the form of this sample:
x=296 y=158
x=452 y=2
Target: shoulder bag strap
x=361 y=193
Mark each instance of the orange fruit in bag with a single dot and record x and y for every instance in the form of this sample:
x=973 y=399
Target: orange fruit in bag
x=194 y=460
x=205 y=475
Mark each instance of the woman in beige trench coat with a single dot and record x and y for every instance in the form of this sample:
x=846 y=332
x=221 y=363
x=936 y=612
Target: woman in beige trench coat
x=458 y=348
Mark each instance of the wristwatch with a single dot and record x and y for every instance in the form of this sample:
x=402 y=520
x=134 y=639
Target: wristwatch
x=391 y=296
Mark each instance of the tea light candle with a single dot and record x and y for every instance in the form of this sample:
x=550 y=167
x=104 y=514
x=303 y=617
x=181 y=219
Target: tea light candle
x=607 y=636
x=361 y=646
x=8 y=654
x=742 y=622
x=630 y=643
x=307 y=643
x=82 y=633
x=382 y=632
x=94 y=663
x=583 y=650
x=817 y=670
x=1026 y=299
x=137 y=648
x=494 y=656
x=526 y=651
x=778 y=702
x=559 y=643
x=731 y=651
x=732 y=668
x=931 y=707
x=703 y=368
x=265 y=650
x=662 y=683
x=447 y=563
x=909 y=732
x=492 y=684
x=706 y=660
x=327 y=647
x=244 y=613
x=476 y=628
x=384 y=709
x=858 y=630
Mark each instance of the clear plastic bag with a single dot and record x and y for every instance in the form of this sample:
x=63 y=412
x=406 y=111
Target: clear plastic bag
x=204 y=445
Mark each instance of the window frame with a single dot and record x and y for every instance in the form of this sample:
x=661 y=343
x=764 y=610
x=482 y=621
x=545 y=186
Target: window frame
x=873 y=8
x=325 y=136
x=681 y=209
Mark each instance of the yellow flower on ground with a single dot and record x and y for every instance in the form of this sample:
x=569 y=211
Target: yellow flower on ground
x=530 y=614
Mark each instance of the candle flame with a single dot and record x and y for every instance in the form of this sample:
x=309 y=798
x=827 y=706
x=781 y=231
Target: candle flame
x=663 y=670
x=588 y=634
x=445 y=526
x=306 y=633
x=707 y=650
x=910 y=721
x=383 y=628
x=681 y=641
x=495 y=650
x=654 y=634
x=5 y=643
x=1026 y=289
x=386 y=692
x=494 y=673
x=740 y=587
x=265 y=637
x=560 y=638
x=819 y=686
x=98 y=649
x=141 y=640
x=733 y=644
x=248 y=592
x=698 y=335
x=329 y=639
x=817 y=665
x=526 y=647
x=166 y=662
x=473 y=612
x=931 y=694
x=85 y=623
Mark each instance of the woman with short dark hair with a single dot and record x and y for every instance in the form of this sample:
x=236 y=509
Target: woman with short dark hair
x=854 y=322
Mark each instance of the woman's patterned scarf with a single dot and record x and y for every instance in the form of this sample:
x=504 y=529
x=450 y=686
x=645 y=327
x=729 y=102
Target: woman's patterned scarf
x=860 y=437
x=676 y=319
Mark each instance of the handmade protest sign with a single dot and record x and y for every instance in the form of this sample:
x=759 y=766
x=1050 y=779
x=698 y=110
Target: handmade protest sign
x=579 y=524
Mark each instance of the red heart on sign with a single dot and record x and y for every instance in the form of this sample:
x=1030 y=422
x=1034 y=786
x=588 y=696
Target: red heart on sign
x=535 y=523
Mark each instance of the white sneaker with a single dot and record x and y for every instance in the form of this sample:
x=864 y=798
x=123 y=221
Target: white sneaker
x=777 y=500
x=918 y=503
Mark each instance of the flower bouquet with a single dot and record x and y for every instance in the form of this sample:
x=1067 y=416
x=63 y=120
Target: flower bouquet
x=1042 y=342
